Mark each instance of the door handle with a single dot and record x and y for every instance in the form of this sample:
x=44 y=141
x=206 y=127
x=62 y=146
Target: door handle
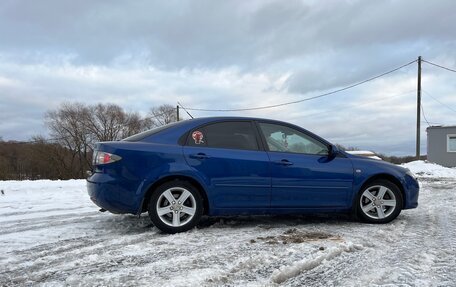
x=199 y=155
x=283 y=162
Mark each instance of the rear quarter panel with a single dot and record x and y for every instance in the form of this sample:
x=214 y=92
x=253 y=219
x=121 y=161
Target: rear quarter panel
x=141 y=165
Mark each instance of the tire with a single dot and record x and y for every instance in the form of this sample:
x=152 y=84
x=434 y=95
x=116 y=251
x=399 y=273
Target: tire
x=379 y=202
x=170 y=212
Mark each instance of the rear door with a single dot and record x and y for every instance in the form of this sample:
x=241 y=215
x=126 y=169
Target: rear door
x=228 y=155
x=303 y=176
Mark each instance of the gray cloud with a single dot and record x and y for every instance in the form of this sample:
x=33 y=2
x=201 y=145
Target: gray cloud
x=229 y=54
x=177 y=34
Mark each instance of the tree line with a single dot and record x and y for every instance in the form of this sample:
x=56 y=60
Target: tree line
x=74 y=129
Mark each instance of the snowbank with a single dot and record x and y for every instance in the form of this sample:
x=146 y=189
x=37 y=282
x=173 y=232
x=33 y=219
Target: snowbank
x=365 y=153
x=426 y=169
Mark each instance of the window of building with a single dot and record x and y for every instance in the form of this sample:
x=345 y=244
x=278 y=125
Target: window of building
x=451 y=143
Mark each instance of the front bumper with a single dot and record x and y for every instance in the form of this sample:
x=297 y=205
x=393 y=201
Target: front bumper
x=411 y=190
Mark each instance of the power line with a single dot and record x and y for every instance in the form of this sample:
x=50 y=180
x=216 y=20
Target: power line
x=432 y=123
x=306 y=99
x=440 y=66
x=424 y=116
x=450 y=108
x=340 y=108
x=185 y=109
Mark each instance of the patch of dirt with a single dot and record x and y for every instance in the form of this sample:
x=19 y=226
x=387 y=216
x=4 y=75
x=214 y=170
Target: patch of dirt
x=293 y=235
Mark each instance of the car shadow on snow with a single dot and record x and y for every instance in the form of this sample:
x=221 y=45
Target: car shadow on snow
x=131 y=224
x=272 y=221
x=123 y=224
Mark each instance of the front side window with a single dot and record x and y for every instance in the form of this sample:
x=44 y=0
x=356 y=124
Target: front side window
x=451 y=143
x=284 y=139
x=230 y=135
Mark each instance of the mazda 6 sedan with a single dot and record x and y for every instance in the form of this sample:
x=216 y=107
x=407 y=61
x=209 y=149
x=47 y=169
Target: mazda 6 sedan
x=235 y=165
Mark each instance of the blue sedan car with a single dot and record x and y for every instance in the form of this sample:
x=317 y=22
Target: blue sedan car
x=237 y=165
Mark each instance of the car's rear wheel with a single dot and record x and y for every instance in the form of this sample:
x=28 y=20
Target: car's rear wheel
x=175 y=206
x=379 y=202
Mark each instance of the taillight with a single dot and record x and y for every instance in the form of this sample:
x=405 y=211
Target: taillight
x=102 y=157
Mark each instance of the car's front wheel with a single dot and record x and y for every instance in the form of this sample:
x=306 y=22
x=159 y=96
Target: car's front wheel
x=175 y=206
x=379 y=202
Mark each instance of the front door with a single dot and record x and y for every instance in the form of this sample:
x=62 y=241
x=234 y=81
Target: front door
x=303 y=175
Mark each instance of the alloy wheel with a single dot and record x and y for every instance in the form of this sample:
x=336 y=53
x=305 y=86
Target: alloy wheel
x=378 y=202
x=176 y=206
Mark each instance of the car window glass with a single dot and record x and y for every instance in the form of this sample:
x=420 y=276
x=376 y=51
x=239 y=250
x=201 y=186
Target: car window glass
x=231 y=135
x=145 y=134
x=284 y=139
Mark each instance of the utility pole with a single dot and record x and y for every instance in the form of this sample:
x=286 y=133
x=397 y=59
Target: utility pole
x=177 y=112
x=418 y=110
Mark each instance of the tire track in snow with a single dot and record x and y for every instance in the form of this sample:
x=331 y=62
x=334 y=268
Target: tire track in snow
x=416 y=249
x=44 y=222
x=15 y=213
x=60 y=259
x=444 y=224
x=199 y=251
x=349 y=266
x=118 y=250
x=427 y=257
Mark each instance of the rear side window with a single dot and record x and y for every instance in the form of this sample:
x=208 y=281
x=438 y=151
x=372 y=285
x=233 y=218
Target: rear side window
x=148 y=133
x=230 y=135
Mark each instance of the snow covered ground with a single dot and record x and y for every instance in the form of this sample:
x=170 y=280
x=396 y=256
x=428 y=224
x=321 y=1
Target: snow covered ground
x=52 y=235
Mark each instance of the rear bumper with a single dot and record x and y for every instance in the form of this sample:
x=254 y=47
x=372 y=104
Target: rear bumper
x=113 y=195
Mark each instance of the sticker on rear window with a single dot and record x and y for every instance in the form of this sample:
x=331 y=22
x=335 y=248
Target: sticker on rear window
x=197 y=136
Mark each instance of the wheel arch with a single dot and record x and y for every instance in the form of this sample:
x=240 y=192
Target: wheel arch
x=383 y=176
x=194 y=182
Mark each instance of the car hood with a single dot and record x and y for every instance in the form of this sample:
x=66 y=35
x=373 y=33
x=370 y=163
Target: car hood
x=376 y=162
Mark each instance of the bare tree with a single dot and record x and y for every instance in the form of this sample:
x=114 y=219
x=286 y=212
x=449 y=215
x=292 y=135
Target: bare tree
x=52 y=160
x=78 y=127
x=6 y=164
x=134 y=124
x=109 y=122
x=104 y=122
x=163 y=115
x=74 y=128
x=68 y=127
x=36 y=159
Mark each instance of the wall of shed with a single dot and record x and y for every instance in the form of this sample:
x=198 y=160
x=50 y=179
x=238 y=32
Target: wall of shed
x=437 y=146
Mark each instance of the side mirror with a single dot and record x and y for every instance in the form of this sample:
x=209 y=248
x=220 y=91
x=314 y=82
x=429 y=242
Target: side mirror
x=333 y=151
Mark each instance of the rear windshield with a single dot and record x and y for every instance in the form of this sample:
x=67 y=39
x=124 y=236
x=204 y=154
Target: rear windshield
x=143 y=135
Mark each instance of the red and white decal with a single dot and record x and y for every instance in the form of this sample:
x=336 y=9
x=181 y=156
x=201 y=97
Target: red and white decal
x=198 y=137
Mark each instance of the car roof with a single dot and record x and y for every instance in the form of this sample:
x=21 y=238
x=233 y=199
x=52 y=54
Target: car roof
x=224 y=118
x=177 y=130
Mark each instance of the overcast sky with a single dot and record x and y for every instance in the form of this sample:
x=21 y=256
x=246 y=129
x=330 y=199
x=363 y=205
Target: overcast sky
x=233 y=54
